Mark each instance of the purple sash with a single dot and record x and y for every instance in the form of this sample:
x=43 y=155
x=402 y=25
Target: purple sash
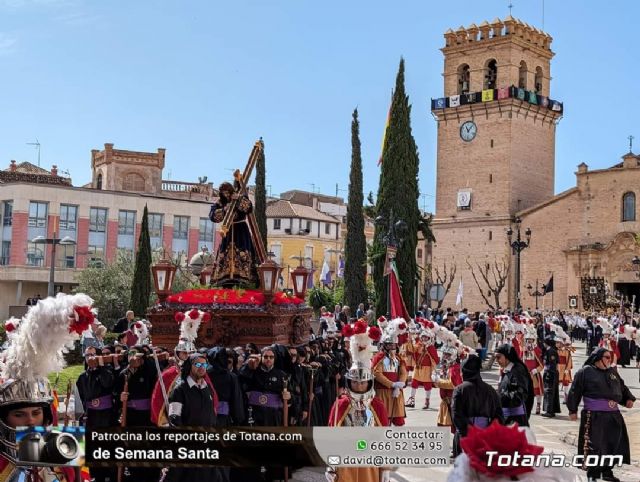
x=100 y=403
x=140 y=404
x=223 y=407
x=600 y=405
x=262 y=399
x=513 y=411
x=480 y=422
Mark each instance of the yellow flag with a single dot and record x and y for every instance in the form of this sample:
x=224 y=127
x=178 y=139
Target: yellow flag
x=487 y=95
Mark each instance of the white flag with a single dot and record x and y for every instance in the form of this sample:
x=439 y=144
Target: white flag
x=459 y=295
x=325 y=275
x=454 y=101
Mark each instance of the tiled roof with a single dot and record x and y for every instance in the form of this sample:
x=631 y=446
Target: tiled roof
x=29 y=168
x=286 y=209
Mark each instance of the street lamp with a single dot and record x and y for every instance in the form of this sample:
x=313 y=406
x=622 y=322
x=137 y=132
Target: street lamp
x=299 y=277
x=53 y=241
x=517 y=246
x=537 y=293
x=392 y=239
x=269 y=273
x=163 y=274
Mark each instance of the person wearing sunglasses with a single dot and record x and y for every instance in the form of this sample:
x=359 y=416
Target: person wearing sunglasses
x=602 y=427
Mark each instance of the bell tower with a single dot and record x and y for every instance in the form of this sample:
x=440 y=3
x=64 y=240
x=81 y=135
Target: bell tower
x=496 y=140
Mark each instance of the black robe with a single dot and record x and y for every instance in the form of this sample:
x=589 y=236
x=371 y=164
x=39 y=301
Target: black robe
x=607 y=431
x=515 y=390
x=551 y=403
x=260 y=380
x=624 y=346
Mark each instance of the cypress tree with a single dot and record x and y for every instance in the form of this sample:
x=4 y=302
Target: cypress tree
x=261 y=198
x=141 y=287
x=355 y=290
x=398 y=192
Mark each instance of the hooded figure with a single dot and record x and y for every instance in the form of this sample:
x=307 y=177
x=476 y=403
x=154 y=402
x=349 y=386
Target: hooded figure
x=602 y=428
x=550 y=379
x=474 y=402
x=515 y=387
x=230 y=401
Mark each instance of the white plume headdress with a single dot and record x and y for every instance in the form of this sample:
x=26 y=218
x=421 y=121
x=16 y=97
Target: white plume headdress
x=190 y=322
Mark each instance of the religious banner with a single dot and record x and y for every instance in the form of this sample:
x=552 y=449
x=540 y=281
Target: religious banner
x=533 y=98
x=503 y=93
x=440 y=103
x=454 y=101
x=487 y=95
x=521 y=94
x=593 y=293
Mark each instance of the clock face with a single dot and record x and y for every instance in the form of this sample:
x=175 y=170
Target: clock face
x=468 y=131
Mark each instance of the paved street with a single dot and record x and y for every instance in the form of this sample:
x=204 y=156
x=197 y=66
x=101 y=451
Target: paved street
x=558 y=435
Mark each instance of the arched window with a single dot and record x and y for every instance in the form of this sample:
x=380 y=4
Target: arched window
x=99 y=182
x=133 y=182
x=464 y=79
x=538 y=80
x=629 y=207
x=490 y=74
x=522 y=76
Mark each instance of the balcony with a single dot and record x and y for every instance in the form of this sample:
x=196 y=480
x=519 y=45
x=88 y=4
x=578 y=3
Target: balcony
x=188 y=190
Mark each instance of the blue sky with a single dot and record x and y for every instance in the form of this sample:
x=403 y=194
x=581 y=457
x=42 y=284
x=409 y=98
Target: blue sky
x=205 y=79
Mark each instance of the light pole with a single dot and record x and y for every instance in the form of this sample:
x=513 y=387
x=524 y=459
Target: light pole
x=517 y=246
x=53 y=241
x=392 y=239
x=537 y=293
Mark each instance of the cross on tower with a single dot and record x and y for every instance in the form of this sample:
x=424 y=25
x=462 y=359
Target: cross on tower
x=631 y=138
x=510 y=7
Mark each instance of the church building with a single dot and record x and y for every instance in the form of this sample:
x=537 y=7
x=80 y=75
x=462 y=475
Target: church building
x=495 y=184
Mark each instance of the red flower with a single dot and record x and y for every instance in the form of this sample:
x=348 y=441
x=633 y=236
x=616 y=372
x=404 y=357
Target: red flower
x=381 y=319
x=402 y=326
x=206 y=317
x=375 y=333
x=500 y=439
x=9 y=327
x=194 y=314
x=81 y=319
x=347 y=331
x=179 y=316
x=360 y=327
x=137 y=325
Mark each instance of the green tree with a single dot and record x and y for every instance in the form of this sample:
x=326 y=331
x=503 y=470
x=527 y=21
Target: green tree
x=141 y=288
x=261 y=197
x=109 y=286
x=398 y=193
x=355 y=245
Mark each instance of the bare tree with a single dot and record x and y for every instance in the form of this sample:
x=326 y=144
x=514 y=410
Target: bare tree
x=435 y=276
x=494 y=278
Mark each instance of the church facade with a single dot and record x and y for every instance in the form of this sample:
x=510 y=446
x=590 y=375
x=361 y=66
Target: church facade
x=495 y=166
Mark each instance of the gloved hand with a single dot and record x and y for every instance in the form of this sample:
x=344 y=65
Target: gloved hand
x=331 y=475
x=534 y=371
x=385 y=476
x=395 y=393
x=398 y=385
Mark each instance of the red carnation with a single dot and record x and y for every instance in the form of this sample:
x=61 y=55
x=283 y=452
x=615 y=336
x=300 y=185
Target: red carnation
x=82 y=319
x=179 y=316
x=381 y=319
x=9 y=327
x=194 y=314
x=138 y=325
x=360 y=327
x=501 y=439
x=375 y=333
x=347 y=331
x=206 y=317
x=402 y=326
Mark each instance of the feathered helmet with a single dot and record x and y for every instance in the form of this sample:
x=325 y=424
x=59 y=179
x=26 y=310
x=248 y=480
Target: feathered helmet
x=428 y=333
x=607 y=327
x=530 y=332
x=332 y=327
x=361 y=337
x=189 y=323
x=140 y=328
x=507 y=328
x=395 y=332
x=382 y=322
x=36 y=347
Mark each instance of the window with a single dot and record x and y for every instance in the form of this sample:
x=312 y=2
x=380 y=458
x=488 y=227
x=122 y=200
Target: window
x=155 y=225
x=629 y=207
x=35 y=254
x=538 y=80
x=65 y=256
x=99 y=181
x=37 y=214
x=327 y=228
x=308 y=257
x=5 y=255
x=126 y=222
x=277 y=223
x=7 y=213
x=180 y=227
x=308 y=226
x=95 y=256
x=522 y=75
x=419 y=253
x=464 y=79
x=133 y=182
x=206 y=229
x=490 y=74
x=97 y=220
x=68 y=217
x=490 y=178
x=490 y=235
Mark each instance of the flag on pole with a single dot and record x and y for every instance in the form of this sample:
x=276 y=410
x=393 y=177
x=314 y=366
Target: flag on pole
x=459 y=295
x=310 y=281
x=384 y=134
x=397 y=309
x=548 y=288
x=341 y=268
x=325 y=274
